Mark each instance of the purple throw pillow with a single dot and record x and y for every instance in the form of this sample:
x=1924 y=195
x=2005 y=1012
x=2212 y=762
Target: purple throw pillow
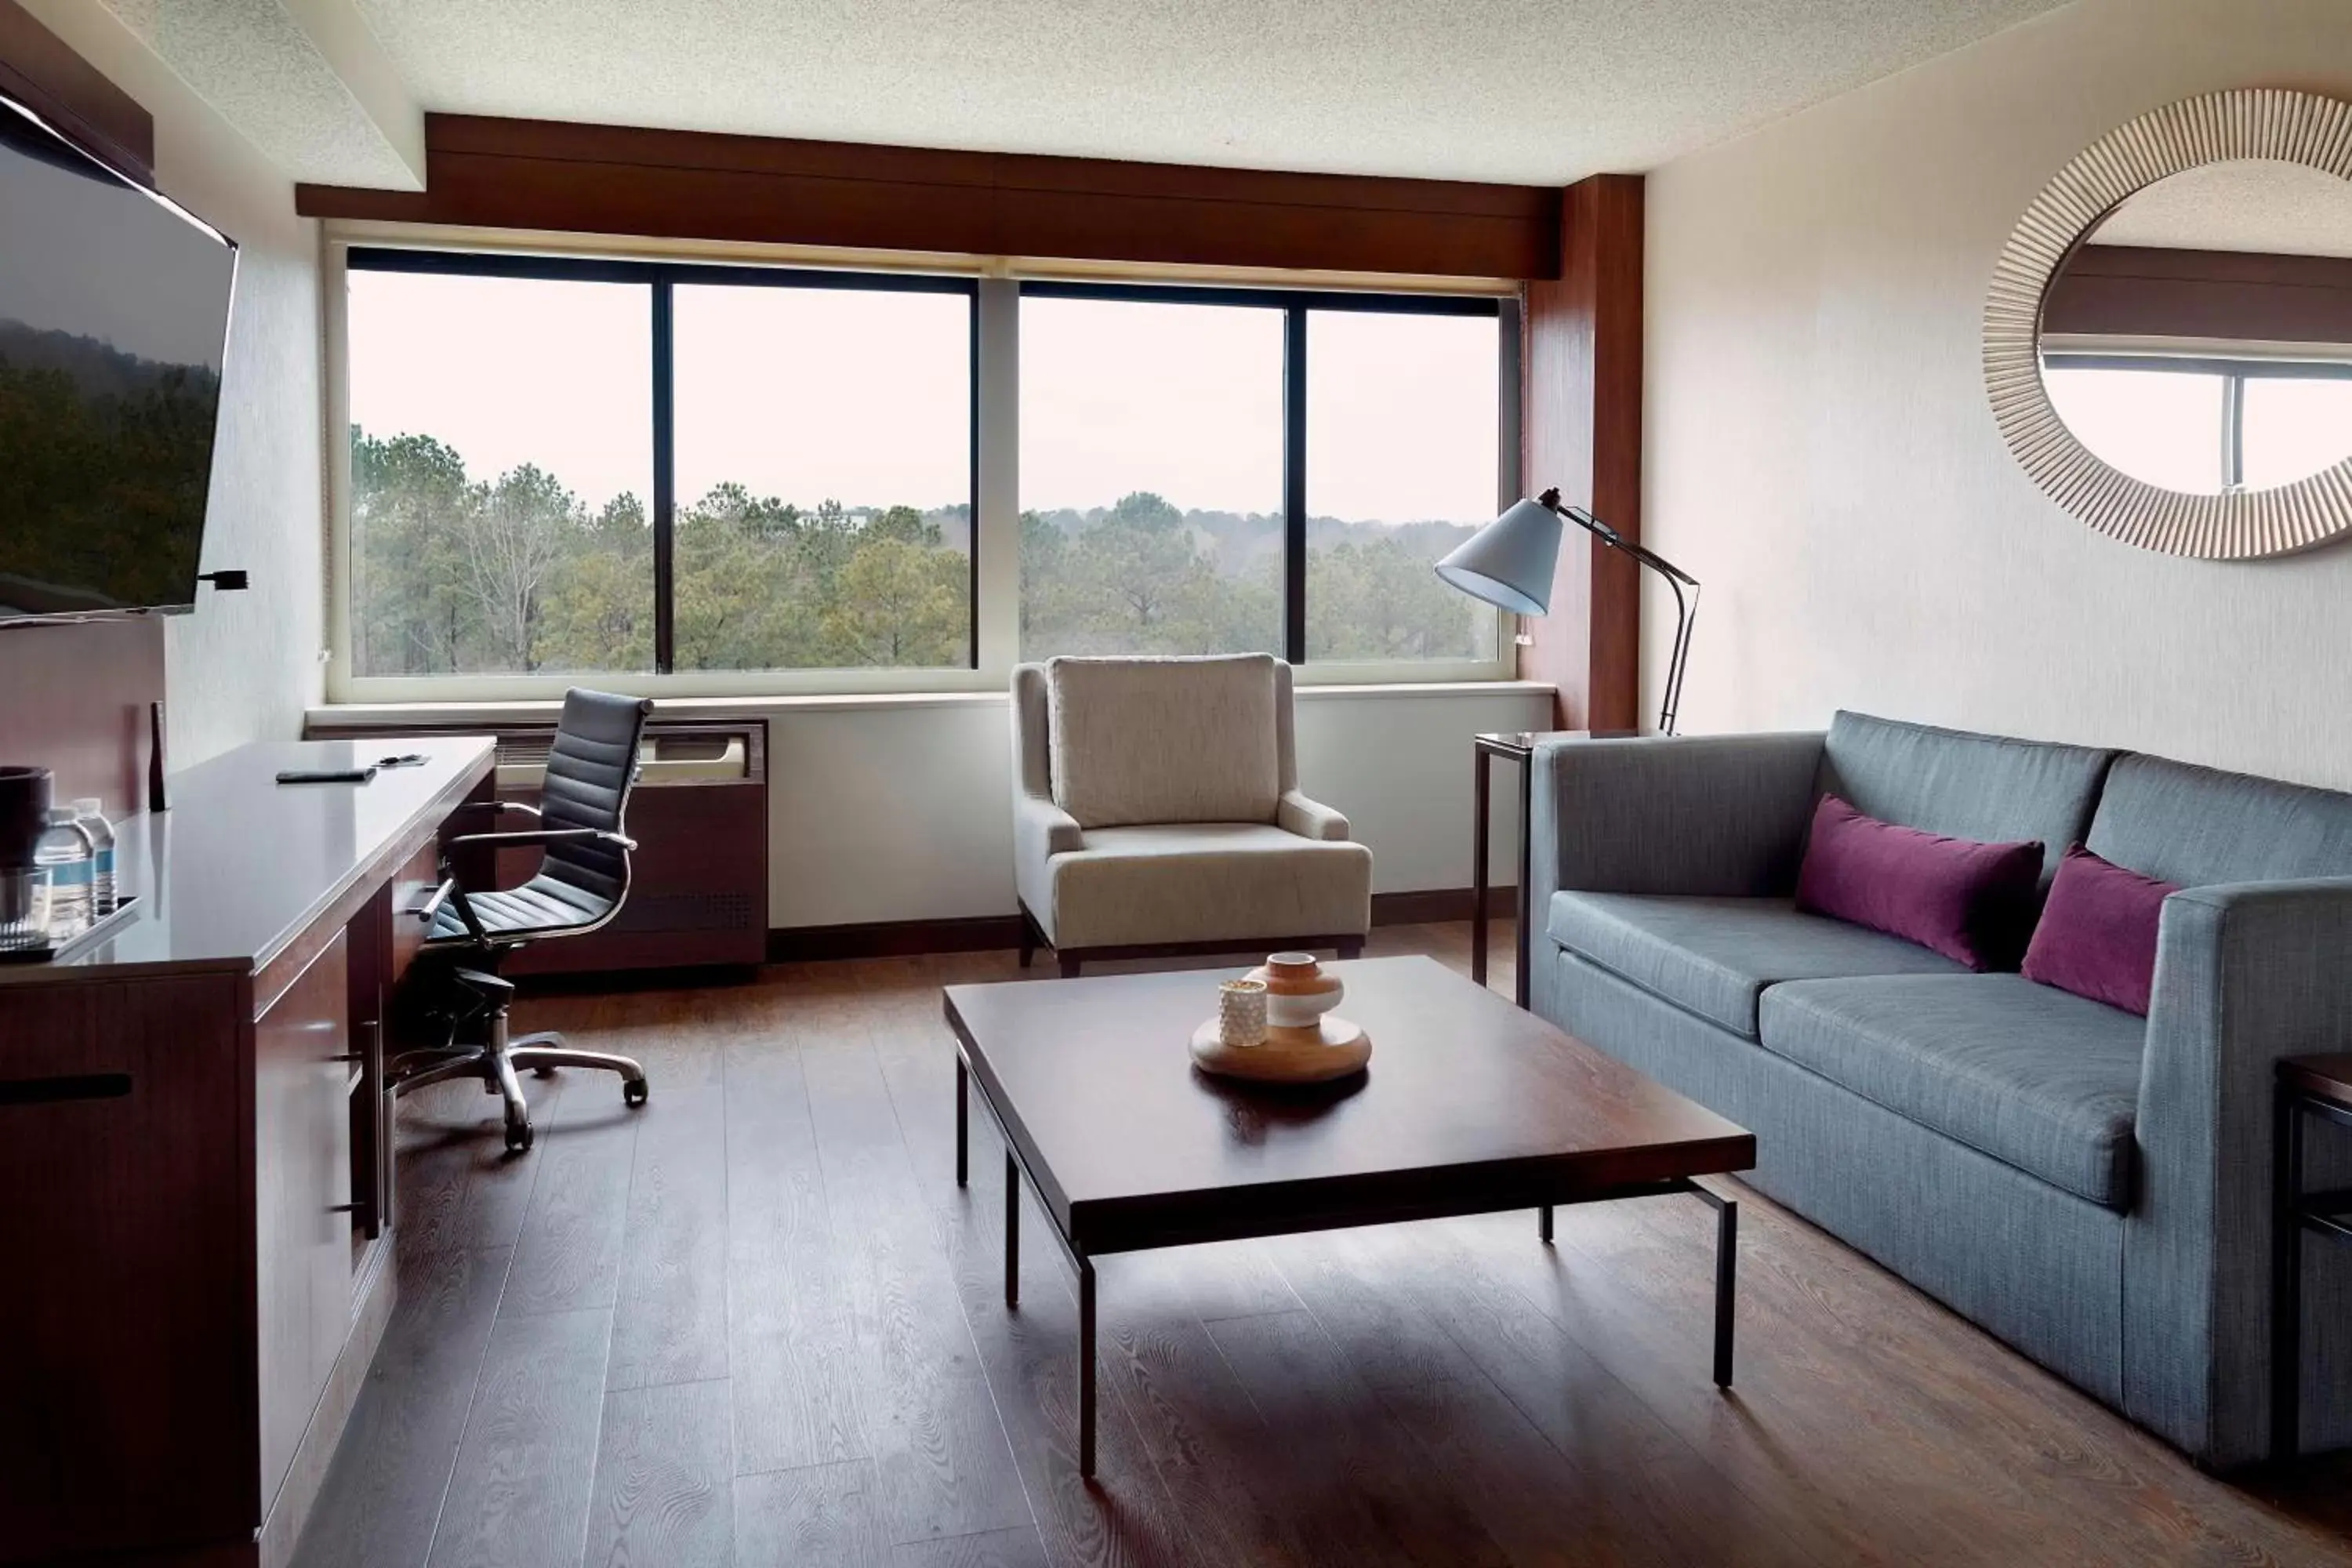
x=2097 y=934
x=1953 y=896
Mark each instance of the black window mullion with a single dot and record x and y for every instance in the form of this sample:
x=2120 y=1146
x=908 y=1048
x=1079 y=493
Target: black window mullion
x=1294 y=484
x=665 y=477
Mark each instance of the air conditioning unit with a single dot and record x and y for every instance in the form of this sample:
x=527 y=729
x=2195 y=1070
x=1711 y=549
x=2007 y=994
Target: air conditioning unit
x=698 y=881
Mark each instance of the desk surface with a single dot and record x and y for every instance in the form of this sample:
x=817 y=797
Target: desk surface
x=241 y=865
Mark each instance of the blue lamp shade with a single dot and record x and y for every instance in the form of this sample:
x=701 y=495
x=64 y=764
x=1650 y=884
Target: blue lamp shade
x=1509 y=562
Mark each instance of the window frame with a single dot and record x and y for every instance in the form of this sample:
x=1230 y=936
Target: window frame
x=2233 y=372
x=994 y=287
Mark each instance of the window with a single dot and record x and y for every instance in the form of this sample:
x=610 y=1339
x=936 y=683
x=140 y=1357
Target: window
x=1217 y=471
x=2156 y=425
x=1403 y=463
x=1150 y=476
x=578 y=466
x=2293 y=427
x=501 y=460
x=712 y=478
x=2201 y=426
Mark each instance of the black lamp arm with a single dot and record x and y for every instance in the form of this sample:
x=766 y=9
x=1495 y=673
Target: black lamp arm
x=1686 y=606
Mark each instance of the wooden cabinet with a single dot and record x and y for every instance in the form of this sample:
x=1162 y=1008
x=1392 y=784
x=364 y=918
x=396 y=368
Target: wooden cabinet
x=192 y=1280
x=124 y=1424
x=699 y=879
x=302 y=1075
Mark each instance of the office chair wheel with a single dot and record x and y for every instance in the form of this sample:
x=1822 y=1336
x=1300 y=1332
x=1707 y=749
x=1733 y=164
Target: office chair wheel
x=634 y=1091
x=519 y=1137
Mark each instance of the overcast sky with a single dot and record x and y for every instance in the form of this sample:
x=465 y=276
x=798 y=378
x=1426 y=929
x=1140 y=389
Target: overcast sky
x=807 y=394
x=100 y=259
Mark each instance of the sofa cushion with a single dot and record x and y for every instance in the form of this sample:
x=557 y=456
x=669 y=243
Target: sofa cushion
x=1986 y=787
x=1163 y=740
x=1205 y=882
x=1713 y=956
x=2194 y=826
x=1960 y=898
x=2036 y=1078
x=2097 y=934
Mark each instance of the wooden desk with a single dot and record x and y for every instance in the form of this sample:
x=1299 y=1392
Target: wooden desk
x=194 y=1158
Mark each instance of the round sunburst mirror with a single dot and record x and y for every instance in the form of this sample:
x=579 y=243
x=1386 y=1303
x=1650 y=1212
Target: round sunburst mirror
x=2168 y=342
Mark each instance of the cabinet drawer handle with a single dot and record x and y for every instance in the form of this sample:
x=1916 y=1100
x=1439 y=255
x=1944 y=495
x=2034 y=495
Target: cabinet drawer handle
x=349 y=1056
x=342 y=1208
x=52 y=1090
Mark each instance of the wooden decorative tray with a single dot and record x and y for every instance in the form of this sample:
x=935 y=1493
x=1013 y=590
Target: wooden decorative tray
x=1288 y=1055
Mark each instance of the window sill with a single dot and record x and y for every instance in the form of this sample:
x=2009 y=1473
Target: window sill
x=485 y=715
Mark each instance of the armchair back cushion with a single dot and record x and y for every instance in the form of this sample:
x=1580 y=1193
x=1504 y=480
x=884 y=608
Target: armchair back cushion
x=1985 y=787
x=1150 y=740
x=2195 y=827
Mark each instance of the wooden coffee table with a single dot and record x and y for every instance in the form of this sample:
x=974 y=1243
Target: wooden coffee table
x=1470 y=1106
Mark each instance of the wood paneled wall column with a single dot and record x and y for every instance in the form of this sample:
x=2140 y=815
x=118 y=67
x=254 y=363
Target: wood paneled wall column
x=1581 y=430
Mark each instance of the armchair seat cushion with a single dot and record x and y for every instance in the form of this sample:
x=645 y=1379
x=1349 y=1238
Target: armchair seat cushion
x=1714 y=956
x=1204 y=881
x=2037 y=1077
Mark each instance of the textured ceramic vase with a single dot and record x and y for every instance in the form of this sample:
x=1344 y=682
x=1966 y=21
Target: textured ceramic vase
x=1241 y=1012
x=1297 y=991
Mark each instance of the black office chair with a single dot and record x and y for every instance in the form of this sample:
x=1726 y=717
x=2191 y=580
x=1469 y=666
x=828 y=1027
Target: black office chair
x=579 y=886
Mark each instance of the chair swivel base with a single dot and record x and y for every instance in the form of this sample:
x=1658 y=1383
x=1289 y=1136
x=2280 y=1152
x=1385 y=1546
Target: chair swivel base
x=496 y=1063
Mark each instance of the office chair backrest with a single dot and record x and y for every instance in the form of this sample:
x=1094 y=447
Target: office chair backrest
x=589 y=770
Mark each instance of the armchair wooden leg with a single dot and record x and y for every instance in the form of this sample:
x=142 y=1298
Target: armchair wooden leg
x=1069 y=962
x=1352 y=948
x=1028 y=940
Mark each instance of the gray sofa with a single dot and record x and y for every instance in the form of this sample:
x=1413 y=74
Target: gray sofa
x=2091 y=1187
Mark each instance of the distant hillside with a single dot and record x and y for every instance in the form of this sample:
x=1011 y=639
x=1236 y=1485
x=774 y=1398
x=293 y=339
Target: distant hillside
x=97 y=368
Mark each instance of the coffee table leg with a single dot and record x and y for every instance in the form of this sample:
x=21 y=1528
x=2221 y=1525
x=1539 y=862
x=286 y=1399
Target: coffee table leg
x=1086 y=1367
x=1543 y=1223
x=1011 y=1231
x=1727 y=1265
x=963 y=1120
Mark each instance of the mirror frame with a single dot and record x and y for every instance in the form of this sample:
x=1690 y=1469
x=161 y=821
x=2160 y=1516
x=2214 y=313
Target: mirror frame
x=2251 y=123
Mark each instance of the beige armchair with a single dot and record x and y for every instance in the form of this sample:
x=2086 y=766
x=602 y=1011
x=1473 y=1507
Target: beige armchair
x=1156 y=811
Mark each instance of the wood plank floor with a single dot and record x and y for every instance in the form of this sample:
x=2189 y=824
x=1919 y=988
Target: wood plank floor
x=758 y=1322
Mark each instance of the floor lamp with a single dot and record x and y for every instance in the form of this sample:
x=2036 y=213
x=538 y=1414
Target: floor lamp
x=1509 y=564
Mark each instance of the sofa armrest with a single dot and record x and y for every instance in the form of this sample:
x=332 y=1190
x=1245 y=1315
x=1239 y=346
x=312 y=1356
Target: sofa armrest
x=2245 y=973
x=1309 y=818
x=1040 y=830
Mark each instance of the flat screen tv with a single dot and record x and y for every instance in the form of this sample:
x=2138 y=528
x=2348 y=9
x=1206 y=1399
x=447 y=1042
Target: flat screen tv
x=114 y=308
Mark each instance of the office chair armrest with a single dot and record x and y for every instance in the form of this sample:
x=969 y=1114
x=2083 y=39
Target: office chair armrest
x=431 y=907
x=498 y=806
x=540 y=835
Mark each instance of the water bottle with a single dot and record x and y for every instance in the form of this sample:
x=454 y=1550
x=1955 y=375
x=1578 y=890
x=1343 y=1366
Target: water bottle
x=66 y=854
x=101 y=873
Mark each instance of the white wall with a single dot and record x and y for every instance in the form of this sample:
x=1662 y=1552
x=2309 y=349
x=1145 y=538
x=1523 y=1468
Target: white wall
x=1820 y=454
x=900 y=808
x=244 y=665
x=905 y=812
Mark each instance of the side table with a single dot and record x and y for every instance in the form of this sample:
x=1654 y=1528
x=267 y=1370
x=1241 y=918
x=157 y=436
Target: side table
x=2307 y=1087
x=1519 y=746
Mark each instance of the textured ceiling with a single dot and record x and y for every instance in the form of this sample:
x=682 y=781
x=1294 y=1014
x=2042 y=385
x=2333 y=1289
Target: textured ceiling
x=301 y=79
x=1522 y=90
x=2248 y=203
